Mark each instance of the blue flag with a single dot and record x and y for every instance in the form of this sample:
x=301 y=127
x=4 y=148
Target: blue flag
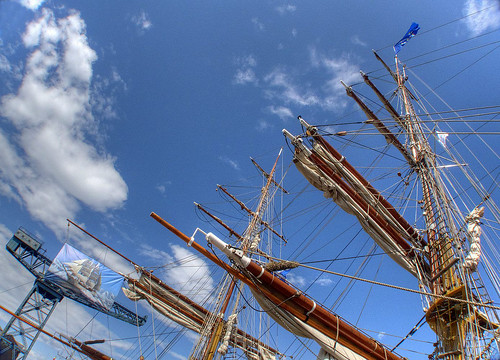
x=412 y=31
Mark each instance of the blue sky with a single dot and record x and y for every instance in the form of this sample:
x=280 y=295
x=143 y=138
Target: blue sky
x=111 y=110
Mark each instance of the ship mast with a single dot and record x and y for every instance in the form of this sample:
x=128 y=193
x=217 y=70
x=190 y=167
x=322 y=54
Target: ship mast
x=207 y=345
x=455 y=325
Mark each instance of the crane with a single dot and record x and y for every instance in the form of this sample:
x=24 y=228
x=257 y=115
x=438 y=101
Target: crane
x=41 y=300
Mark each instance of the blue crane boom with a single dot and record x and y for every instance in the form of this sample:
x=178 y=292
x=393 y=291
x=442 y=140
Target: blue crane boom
x=45 y=295
x=28 y=251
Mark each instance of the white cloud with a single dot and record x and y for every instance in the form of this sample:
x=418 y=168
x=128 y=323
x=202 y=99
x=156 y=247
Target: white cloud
x=247 y=61
x=244 y=76
x=245 y=72
x=281 y=111
x=176 y=355
x=258 y=25
x=324 y=282
x=338 y=68
x=162 y=188
x=234 y=164
x=357 y=41
x=293 y=87
x=183 y=270
x=484 y=15
x=263 y=125
x=31 y=4
x=286 y=8
x=296 y=280
x=4 y=64
x=142 y=21
x=282 y=86
x=49 y=164
x=194 y=278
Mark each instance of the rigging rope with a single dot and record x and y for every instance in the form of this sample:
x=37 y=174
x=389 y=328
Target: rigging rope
x=397 y=287
x=445 y=24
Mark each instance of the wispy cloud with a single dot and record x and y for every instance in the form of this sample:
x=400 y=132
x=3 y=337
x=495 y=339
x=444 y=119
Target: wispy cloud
x=324 y=282
x=263 y=125
x=176 y=355
x=48 y=163
x=142 y=21
x=162 y=188
x=258 y=25
x=234 y=164
x=283 y=87
x=244 y=76
x=357 y=41
x=484 y=15
x=184 y=271
x=292 y=87
x=4 y=64
x=296 y=280
x=245 y=70
x=282 y=112
x=283 y=9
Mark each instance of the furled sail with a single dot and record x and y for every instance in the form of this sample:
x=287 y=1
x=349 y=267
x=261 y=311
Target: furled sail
x=281 y=295
x=191 y=315
x=327 y=175
x=301 y=315
x=330 y=346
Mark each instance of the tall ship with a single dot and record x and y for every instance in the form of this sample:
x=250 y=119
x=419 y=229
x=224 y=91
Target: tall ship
x=376 y=240
x=416 y=204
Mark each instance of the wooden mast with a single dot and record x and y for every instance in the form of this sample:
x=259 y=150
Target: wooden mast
x=246 y=242
x=447 y=318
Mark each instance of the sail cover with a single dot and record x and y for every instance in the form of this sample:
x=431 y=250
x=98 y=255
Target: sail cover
x=75 y=271
x=331 y=349
x=332 y=190
x=188 y=314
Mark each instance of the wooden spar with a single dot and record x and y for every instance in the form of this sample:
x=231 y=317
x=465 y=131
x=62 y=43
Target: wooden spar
x=370 y=212
x=236 y=274
x=147 y=273
x=390 y=109
x=393 y=74
x=189 y=314
x=373 y=119
x=174 y=292
x=244 y=207
x=321 y=318
x=80 y=350
x=231 y=231
x=216 y=331
x=169 y=289
x=267 y=175
x=225 y=226
x=339 y=157
x=90 y=351
x=296 y=303
x=191 y=303
x=102 y=243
